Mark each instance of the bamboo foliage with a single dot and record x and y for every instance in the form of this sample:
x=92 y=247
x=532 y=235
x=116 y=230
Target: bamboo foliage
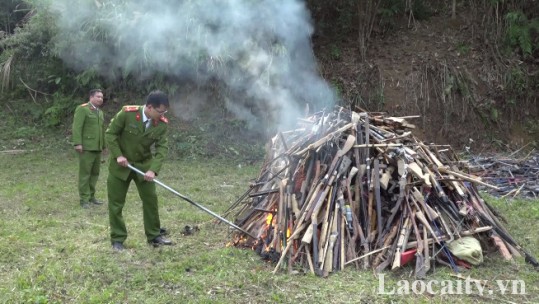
x=5 y=71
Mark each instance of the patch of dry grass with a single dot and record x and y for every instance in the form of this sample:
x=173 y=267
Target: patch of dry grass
x=55 y=252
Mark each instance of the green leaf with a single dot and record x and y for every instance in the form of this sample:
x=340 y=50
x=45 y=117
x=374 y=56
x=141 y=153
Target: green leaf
x=494 y=114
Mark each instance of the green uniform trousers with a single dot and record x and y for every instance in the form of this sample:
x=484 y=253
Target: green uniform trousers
x=89 y=165
x=117 y=191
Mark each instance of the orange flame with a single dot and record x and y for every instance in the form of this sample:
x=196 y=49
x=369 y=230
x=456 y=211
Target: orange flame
x=269 y=219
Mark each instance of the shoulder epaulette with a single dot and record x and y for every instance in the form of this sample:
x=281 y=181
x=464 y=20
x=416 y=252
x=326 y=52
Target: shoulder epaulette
x=163 y=119
x=131 y=108
x=84 y=105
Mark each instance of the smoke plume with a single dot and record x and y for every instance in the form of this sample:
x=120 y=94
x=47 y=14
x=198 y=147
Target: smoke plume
x=259 y=49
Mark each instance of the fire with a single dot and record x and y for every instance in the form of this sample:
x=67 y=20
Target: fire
x=269 y=219
x=239 y=240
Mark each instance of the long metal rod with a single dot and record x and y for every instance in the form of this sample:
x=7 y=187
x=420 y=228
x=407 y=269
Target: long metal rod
x=192 y=202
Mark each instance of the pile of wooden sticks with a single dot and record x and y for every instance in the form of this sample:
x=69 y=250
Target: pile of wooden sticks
x=358 y=189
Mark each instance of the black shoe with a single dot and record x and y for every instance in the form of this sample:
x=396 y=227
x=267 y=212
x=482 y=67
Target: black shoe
x=117 y=246
x=163 y=231
x=160 y=240
x=85 y=205
x=96 y=202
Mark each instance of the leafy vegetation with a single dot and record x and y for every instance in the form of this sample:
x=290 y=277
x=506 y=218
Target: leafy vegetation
x=420 y=10
x=11 y=14
x=521 y=32
x=32 y=46
x=463 y=48
x=388 y=12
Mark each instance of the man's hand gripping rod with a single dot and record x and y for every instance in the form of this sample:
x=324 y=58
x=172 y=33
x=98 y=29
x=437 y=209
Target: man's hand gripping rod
x=192 y=202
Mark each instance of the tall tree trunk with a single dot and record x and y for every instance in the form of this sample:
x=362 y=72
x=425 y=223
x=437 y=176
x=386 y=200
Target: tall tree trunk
x=367 y=10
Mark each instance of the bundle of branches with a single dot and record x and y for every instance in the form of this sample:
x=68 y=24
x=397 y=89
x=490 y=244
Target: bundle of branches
x=348 y=188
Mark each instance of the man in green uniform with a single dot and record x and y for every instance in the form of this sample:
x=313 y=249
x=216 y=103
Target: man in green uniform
x=130 y=136
x=89 y=141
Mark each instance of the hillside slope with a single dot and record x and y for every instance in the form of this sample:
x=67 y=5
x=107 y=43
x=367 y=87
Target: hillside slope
x=441 y=69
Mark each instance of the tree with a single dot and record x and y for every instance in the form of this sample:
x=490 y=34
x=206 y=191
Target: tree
x=367 y=12
x=11 y=13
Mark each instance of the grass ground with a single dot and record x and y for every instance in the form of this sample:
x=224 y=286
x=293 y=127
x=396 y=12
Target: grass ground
x=53 y=251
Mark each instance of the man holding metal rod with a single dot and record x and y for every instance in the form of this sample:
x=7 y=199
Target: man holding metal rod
x=130 y=136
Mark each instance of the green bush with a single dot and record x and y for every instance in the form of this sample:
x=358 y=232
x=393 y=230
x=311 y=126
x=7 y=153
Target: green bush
x=11 y=13
x=516 y=80
x=58 y=109
x=387 y=12
x=519 y=33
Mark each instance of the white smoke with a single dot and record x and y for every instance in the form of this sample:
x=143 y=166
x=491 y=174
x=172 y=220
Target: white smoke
x=260 y=48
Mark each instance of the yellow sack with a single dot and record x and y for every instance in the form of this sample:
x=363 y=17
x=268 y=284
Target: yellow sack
x=467 y=249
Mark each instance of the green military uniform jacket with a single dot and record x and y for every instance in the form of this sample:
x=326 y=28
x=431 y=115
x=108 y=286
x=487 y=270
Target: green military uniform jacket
x=88 y=128
x=126 y=136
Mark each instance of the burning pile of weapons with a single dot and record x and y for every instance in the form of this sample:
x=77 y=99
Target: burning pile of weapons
x=358 y=189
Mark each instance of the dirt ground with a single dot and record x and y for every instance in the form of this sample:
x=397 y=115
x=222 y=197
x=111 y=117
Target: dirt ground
x=440 y=69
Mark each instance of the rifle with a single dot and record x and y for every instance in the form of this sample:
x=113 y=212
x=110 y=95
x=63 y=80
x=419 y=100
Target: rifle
x=498 y=228
x=328 y=182
x=527 y=256
x=400 y=199
x=378 y=199
x=400 y=242
x=420 y=260
x=307 y=180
